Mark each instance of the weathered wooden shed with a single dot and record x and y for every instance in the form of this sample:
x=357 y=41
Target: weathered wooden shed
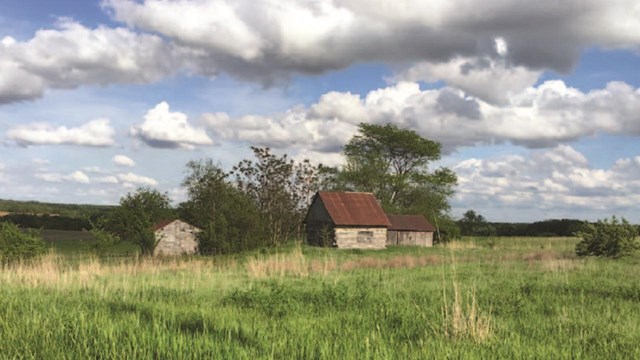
x=410 y=230
x=347 y=220
x=175 y=237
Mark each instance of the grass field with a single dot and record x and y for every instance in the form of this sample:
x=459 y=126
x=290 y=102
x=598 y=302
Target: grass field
x=478 y=298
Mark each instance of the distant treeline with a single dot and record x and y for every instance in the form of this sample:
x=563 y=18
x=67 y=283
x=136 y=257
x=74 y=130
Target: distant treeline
x=63 y=210
x=47 y=222
x=554 y=227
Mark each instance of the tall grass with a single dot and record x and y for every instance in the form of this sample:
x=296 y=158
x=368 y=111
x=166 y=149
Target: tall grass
x=515 y=299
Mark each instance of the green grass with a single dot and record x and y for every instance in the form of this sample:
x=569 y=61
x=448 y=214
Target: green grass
x=517 y=298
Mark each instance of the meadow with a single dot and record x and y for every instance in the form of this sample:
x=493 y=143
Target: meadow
x=476 y=298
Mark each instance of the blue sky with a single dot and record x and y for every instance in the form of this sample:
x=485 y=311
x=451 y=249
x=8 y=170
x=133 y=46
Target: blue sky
x=537 y=108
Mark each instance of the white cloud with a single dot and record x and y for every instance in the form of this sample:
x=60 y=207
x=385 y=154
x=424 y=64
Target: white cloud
x=558 y=182
x=72 y=55
x=122 y=160
x=107 y=180
x=94 y=133
x=164 y=129
x=269 y=41
x=292 y=36
x=40 y=161
x=76 y=177
x=134 y=179
x=491 y=80
x=542 y=116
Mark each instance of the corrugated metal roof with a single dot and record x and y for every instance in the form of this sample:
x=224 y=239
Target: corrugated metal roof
x=354 y=208
x=409 y=223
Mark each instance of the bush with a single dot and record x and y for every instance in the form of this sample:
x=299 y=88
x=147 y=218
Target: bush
x=17 y=245
x=614 y=238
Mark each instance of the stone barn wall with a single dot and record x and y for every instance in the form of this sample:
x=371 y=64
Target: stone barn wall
x=176 y=238
x=361 y=237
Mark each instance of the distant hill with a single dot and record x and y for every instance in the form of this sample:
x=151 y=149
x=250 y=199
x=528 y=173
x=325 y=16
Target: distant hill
x=52 y=209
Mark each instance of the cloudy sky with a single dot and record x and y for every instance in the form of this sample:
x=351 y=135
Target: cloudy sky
x=537 y=104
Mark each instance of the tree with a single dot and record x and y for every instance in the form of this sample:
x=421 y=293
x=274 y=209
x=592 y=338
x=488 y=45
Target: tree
x=229 y=219
x=138 y=212
x=475 y=224
x=393 y=163
x=608 y=238
x=17 y=245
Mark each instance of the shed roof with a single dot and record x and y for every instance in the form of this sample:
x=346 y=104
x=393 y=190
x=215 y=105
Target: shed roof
x=410 y=223
x=353 y=208
x=160 y=224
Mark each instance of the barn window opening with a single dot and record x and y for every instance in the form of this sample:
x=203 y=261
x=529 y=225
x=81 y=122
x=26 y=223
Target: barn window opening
x=365 y=237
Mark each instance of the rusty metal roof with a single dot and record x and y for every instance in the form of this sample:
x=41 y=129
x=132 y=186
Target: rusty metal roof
x=410 y=223
x=353 y=208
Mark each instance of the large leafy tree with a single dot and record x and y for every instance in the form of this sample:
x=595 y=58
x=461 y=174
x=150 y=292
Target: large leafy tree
x=393 y=163
x=138 y=212
x=228 y=218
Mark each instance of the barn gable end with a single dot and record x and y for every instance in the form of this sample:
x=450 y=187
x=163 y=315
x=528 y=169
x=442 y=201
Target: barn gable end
x=175 y=237
x=348 y=220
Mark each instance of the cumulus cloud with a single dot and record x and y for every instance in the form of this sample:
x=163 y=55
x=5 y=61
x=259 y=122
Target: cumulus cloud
x=536 y=117
x=122 y=160
x=315 y=36
x=94 y=133
x=493 y=81
x=164 y=129
x=269 y=41
x=72 y=55
x=136 y=180
x=76 y=177
x=557 y=182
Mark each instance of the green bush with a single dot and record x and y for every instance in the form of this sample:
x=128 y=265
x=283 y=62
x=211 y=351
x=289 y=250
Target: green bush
x=17 y=245
x=608 y=238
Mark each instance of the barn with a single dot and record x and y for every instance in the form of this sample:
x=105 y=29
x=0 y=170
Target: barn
x=347 y=220
x=175 y=237
x=409 y=230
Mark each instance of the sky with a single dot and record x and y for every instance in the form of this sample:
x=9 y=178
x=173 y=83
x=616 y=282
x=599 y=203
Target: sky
x=536 y=104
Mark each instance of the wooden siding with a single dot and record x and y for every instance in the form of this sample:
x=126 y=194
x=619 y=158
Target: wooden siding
x=361 y=237
x=177 y=238
x=319 y=225
x=414 y=238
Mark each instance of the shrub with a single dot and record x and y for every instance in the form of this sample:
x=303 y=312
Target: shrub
x=17 y=245
x=609 y=238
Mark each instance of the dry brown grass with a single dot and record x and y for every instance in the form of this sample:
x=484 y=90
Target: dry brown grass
x=463 y=319
x=290 y=264
x=55 y=271
x=461 y=245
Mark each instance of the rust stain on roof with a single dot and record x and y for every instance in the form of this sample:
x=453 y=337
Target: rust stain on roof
x=354 y=208
x=410 y=223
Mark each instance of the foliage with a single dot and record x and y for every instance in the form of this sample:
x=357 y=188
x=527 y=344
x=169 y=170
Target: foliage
x=46 y=221
x=102 y=239
x=476 y=225
x=281 y=189
x=608 y=238
x=138 y=212
x=64 y=210
x=17 y=245
x=228 y=218
x=447 y=230
x=394 y=163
